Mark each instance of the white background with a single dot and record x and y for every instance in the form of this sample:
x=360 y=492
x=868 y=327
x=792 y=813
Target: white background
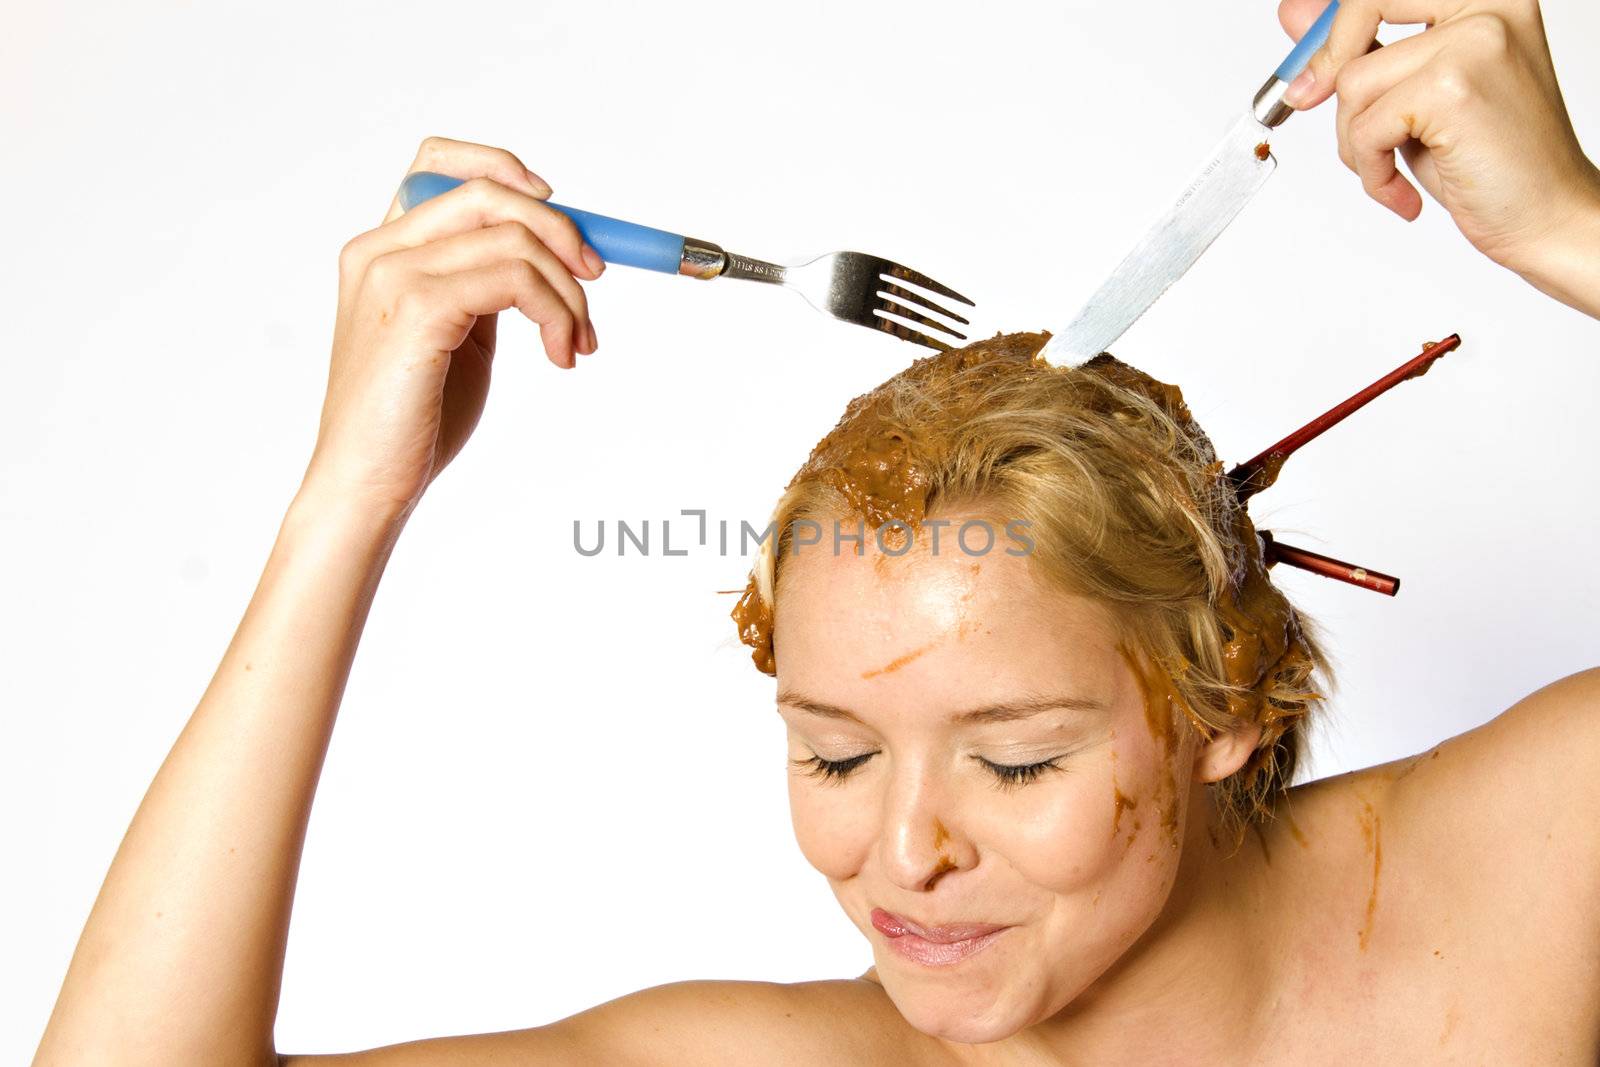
x=556 y=779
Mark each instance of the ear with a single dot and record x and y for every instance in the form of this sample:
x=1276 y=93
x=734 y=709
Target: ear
x=1225 y=753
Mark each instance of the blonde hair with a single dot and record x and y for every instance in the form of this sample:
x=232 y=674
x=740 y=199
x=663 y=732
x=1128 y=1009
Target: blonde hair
x=1126 y=503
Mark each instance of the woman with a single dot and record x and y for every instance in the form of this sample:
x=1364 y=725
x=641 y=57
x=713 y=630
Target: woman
x=1052 y=754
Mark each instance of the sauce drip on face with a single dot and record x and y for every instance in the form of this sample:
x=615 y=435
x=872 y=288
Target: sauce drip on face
x=1160 y=698
x=1120 y=801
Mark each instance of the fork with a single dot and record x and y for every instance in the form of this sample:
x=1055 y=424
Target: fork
x=853 y=287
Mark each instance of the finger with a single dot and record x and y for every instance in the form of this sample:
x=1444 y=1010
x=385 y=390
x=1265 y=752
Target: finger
x=476 y=203
x=1432 y=56
x=493 y=244
x=1424 y=168
x=463 y=159
x=1363 y=80
x=1367 y=77
x=1355 y=25
x=455 y=300
x=1374 y=135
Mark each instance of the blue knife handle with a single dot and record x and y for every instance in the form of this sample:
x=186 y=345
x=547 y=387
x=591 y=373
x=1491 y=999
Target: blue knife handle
x=1314 y=38
x=617 y=241
x=1268 y=106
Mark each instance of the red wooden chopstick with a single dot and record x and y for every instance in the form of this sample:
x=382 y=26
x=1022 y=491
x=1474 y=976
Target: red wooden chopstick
x=1315 y=562
x=1256 y=474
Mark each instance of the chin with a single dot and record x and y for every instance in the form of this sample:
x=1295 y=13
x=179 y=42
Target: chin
x=968 y=1003
x=953 y=1016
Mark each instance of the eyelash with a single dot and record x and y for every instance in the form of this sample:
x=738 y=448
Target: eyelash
x=1006 y=777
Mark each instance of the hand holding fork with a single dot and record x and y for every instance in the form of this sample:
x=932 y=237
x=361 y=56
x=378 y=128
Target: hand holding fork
x=853 y=287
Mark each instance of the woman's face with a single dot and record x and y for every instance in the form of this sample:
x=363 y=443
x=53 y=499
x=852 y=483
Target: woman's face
x=878 y=660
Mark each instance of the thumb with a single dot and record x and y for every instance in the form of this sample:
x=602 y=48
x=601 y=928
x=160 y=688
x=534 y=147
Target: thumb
x=1353 y=34
x=1296 y=16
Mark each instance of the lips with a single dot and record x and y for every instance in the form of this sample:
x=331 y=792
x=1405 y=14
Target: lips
x=892 y=925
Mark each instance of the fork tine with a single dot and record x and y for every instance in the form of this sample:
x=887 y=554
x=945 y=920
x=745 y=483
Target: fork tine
x=907 y=296
x=918 y=278
x=906 y=333
x=907 y=313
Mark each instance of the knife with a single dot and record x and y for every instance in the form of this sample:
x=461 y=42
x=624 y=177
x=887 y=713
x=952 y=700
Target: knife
x=1238 y=166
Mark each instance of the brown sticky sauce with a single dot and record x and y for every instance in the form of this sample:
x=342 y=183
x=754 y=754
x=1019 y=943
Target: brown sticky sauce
x=879 y=473
x=876 y=469
x=1123 y=802
x=1372 y=838
x=1261 y=837
x=898 y=662
x=1120 y=801
x=1450 y=1017
x=1414 y=762
x=1263 y=150
x=940 y=836
x=1269 y=470
x=1294 y=828
x=883 y=476
x=1159 y=698
x=967 y=626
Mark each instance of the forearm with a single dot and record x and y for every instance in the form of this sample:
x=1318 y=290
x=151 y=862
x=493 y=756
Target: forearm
x=1567 y=263
x=182 y=955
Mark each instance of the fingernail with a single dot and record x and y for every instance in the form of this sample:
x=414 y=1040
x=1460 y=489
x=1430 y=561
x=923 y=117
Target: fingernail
x=591 y=257
x=539 y=184
x=594 y=339
x=1300 y=89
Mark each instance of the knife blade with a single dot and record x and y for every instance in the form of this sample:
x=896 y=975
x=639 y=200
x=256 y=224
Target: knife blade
x=1237 y=167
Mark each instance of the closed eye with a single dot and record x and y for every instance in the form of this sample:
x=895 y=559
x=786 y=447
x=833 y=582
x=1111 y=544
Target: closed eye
x=1006 y=775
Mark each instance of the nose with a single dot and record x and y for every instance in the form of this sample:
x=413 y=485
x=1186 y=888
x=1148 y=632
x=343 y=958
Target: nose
x=920 y=840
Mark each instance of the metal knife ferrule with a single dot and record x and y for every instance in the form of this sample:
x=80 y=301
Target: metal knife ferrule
x=1268 y=107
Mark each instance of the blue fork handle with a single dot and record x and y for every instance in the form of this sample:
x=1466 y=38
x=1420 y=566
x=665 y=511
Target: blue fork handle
x=617 y=241
x=1269 y=107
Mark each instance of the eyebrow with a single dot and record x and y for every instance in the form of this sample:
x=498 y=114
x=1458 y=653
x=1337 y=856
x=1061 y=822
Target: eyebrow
x=1011 y=711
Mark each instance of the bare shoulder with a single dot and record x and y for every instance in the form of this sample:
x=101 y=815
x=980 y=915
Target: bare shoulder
x=1512 y=805
x=1524 y=784
x=709 y=1022
x=1411 y=880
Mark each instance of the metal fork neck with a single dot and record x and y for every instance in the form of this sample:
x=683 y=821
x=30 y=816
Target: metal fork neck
x=706 y=259
x=755 y=270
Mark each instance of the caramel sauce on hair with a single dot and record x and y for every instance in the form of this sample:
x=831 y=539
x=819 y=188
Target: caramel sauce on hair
x=870 y=464
x=871 y=468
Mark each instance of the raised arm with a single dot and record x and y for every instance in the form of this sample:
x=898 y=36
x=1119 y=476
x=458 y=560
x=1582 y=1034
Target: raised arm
x=182 y=956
